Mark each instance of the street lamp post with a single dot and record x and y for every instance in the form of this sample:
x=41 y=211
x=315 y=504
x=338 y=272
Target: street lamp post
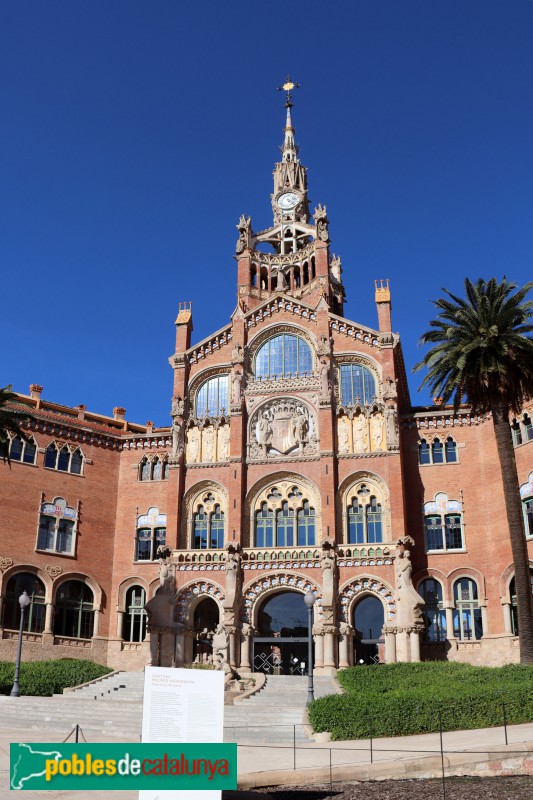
x=24 y=602
x=309 y=601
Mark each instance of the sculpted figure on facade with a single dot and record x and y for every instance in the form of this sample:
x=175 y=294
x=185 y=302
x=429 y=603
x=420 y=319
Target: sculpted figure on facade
x=264 y=432
x=193 y=445
x=376 y=431
x=328 y=565
x=282 y=280
x=232 y=567
x=177 y=446
x=245 y=234
x=321 y=221
x=300 y=429
x=410 y=603
x=391 y=428
x=236 y=388
x=336 y=269
x=325 y=383
x=342 y=427
x=208 y=438
x=237 y=354
x=223 y=443
x=221 y=649
x=360 y=434
x=178 y=407
x=282 y=427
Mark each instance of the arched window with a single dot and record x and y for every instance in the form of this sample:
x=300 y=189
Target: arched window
x=74 y=614
x=208 y=522
x=57 y=527
x=527 y=506
x=150 y=535
x=443 y=523
x=424 y=453
x=76 y=462
x=306 y=525
x=365 y=517
x=134 y=626
x=50 y=457
x=283 y=356
x=517 y=433
x=437 y=452
x=264 y=527
x=212 y=397
x=514 y=610
x=467 y=622
x=434 y=612
x=35 y=612
x=285 y=526
x=528 y=428
x=157 y=469
x=358 y=384
x=63 y=459
x=450 y=450
x=165 y=469
x=15 y=452
x=284 y=519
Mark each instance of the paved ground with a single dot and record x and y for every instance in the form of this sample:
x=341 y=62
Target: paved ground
x=259 y=765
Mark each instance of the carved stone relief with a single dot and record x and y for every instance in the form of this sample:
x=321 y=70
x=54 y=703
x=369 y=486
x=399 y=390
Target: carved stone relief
x=361 y=431
x=283 y=427
x=223 y=443
x=208 y=443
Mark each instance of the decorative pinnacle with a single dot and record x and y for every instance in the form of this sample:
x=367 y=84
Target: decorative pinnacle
x=287 y=87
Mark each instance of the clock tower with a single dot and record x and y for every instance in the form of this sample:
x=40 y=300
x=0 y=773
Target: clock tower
x=299 y=263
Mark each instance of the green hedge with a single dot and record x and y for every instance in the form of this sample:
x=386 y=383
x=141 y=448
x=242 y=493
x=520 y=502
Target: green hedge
x=403 y=699
x=45 y=678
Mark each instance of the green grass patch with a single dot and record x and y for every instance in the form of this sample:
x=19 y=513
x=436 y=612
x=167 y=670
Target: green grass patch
x=404 y=699
x=45 y=678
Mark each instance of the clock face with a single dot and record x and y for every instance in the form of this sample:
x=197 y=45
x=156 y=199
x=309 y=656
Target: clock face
x=288 y=200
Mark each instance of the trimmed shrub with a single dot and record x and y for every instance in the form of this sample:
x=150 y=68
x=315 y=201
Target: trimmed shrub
x=45 y=678
x=404 y=699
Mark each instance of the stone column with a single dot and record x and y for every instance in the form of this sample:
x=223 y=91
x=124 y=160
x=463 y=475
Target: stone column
x=246 y=647
x=390 y=646
x=233 y=641
x=507 y=624
x=96 y=625
x=449 y=622
x=402 y=645
x=187 y=654
x=120 y=624
x=179 y=649
x=345 y=640
x=154 y=647
x=329 y=647
x=319 y=649
x=49 y=616
x=414 y=637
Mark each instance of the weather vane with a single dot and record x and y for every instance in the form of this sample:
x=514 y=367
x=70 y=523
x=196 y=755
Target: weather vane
x=288 y=86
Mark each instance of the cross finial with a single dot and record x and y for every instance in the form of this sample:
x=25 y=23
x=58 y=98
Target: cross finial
x=287 y=87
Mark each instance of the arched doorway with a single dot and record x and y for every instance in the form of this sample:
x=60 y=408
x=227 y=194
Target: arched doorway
x=206 y=617
x=368 y=621
x=282 y=642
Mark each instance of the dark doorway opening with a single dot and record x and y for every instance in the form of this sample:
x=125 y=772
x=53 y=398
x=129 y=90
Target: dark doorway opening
x=369 y=619
x=281 y=646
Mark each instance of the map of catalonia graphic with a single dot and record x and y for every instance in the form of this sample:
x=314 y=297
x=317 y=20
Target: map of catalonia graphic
x=26 y=767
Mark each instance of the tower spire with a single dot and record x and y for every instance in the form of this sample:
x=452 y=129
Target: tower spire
x=289 y=148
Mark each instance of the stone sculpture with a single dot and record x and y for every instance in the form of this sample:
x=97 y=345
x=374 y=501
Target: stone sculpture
x=343 y=435
x=236 y=393
x=178 y=407
x=208 y=442
x=221 y=648
x=176 y=438
x=410 y=603
x=359 y=434
x=193 y=445
x=223 y=442
x=376 y=431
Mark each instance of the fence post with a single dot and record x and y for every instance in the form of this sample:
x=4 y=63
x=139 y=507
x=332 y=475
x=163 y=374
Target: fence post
x=294 y=747
x=330 y=774
x=442 y=757
x=370 y=730
x=505 y=723
x=77 y=734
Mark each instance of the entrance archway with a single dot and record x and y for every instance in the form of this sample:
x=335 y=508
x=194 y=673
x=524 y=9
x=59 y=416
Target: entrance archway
x=282 y=641
x=368 y=621
x=206 y=617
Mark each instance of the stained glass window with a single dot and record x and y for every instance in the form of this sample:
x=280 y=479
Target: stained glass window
x=283 y=356
x=467 y=622
x=434 y=612
x=358 y=384
x=212 y=397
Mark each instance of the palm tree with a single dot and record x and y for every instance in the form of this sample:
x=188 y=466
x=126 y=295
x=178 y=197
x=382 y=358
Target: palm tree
x=10 y=420
x=483 y=355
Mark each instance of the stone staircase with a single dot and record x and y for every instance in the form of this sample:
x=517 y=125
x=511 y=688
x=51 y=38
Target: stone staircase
x=112 y=706
x=276 y=713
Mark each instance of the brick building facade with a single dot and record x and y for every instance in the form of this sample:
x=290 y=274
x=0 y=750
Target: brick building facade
x=294 y=462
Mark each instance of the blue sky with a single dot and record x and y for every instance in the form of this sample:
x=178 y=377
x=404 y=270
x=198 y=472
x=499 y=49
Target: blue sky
x=134 y=134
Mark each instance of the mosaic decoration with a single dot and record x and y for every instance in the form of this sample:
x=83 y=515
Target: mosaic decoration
x=253 y=592
x=365 y=585
x=153 y=517
x=188 y=593
x=58 y=508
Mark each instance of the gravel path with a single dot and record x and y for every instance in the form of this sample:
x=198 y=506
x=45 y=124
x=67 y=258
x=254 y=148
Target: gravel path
x=519 y=787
